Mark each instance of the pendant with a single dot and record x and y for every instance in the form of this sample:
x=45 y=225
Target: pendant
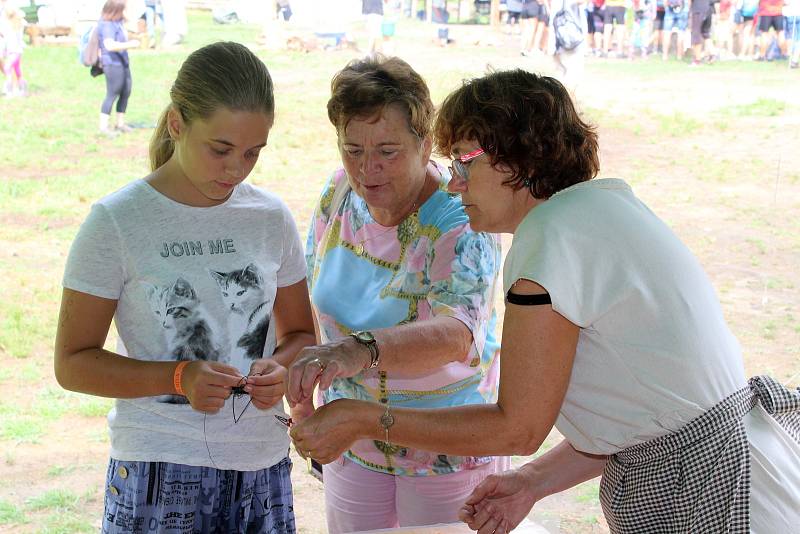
x=359 y=249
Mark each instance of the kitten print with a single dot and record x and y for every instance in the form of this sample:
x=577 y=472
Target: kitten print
x=188 y=326
x=248 y=306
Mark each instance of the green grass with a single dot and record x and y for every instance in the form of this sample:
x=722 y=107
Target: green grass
x=22 y=429
x=59 y=470
x=71 y=523
x=588 y=493
x=57 y=499
x=10 y=514
x=94 y=406
x=762 y=107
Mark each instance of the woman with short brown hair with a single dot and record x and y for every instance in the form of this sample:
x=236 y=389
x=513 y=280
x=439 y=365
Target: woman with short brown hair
x=403 y=294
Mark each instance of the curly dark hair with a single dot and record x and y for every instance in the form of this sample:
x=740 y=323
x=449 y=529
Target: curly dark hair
x=366 y=86
x=526 y=122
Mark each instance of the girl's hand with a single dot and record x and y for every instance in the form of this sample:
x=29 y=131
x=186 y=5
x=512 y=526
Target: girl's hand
x=266 y=383
x=320 y=364
x=208 y=384
x=330 y=431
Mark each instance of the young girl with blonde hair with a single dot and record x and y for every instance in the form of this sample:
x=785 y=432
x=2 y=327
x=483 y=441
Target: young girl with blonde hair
x=204 y=277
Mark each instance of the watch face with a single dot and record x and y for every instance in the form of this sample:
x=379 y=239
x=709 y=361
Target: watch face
x=365 y=337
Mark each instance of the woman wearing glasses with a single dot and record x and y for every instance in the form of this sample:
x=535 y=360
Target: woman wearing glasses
x=612 y=333
x=403 y=291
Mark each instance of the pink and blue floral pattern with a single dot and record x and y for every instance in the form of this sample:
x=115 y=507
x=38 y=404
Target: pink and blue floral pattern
x=364 y=276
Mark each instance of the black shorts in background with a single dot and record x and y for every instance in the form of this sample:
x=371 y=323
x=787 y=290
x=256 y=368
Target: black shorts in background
x=765 y=22
x=530 y=10
x=544 y=16
x=701 y=25
x=614 y=15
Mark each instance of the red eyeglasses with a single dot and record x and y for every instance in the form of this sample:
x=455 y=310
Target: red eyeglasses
x=459 y=165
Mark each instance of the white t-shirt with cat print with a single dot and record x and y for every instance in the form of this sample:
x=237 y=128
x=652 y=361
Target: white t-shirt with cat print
x=191 y=283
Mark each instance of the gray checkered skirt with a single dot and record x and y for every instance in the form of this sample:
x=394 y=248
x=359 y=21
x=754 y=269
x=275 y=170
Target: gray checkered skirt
x=698 y=478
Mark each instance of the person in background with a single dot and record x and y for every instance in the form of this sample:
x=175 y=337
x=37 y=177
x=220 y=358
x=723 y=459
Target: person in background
x=614 y=26
x=745 y=28
x=284 y=10
x=152 y=16
x=529 y=22
x=791 y=10
x=598 y=16
x=723 y=29
x=403 y=292
x=391 y=14
x=540 y=39
x=203 y=275
x=12 y=24
x=114 y=45
x=701 y=16
x=770 y=19
x=676 y=17
x=176 y=23
x=570 y=62
x=656 y=36
x=373 y=13
x=513 y=12
x=644 y=13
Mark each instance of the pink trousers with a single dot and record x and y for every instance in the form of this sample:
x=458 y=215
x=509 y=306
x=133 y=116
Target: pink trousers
x=358 y=499
x=13 y=65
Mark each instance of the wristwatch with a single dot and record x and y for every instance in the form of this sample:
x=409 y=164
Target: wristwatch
x=365 y=337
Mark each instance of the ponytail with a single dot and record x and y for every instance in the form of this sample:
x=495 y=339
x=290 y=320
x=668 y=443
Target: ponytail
x=161 y=144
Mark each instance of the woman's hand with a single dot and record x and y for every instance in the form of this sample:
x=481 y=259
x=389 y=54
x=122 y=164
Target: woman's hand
x=331 y=430
x=500 y=502
x=302 y=411
x=208 y=384
x=320 y=364
x=266 y=383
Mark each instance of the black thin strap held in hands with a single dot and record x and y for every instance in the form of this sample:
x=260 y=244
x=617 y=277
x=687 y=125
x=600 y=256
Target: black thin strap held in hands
x=528 y=300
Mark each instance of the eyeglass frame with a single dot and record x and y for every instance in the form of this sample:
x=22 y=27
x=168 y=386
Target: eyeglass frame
x=458 y=167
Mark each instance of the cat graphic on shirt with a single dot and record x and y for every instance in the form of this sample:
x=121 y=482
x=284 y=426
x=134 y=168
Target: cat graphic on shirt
x=190 y=330
x=249 y=309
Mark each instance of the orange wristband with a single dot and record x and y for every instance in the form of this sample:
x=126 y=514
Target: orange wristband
x=176 y=377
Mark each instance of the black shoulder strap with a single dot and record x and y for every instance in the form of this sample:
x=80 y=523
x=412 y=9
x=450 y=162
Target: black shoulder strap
x=528 y=300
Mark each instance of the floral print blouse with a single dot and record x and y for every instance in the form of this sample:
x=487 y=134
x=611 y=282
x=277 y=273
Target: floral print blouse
x=364 y=276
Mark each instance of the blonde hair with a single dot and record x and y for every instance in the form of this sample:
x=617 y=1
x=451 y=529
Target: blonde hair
x=222 y=75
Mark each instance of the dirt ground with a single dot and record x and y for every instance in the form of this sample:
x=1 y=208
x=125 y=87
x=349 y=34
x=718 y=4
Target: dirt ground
x=695 y=145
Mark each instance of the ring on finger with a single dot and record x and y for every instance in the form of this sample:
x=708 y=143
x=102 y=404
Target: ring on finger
x=319 y=362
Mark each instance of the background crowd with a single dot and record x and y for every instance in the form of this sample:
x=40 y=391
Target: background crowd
x=762 y=30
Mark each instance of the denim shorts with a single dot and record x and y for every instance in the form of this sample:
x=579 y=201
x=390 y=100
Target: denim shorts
x=143 y=497
x=675 y=20
x=792 y=29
